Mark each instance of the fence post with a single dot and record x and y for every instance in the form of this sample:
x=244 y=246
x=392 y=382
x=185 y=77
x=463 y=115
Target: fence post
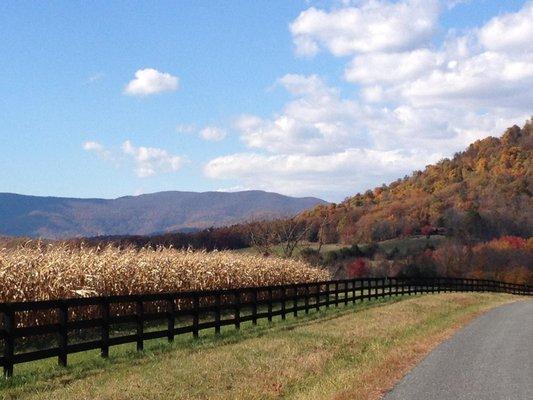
x=9 y=341
x=345 y=292
x=63 y=334
x=104 y=349
x=139 y=316
x=170 y=319
x=307 y=298
x=254 y=306
x=317 y=305
x=283 y=297
x=270 y=300
x=295 y=301
x=353 y=290
x=218 y=302
x=398 y=283
x=237 y=309
x=195 y=314
x=336 y=293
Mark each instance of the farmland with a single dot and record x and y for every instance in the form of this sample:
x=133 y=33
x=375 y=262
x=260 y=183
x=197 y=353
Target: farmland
x=44 y=272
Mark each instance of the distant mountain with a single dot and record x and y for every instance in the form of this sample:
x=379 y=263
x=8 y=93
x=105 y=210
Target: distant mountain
x=56 y=217
x=483 y=192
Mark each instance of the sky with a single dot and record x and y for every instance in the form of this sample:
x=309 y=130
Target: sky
x=305 y=98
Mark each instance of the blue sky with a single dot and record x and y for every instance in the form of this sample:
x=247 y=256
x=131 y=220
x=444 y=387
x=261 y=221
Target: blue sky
x=105 y=99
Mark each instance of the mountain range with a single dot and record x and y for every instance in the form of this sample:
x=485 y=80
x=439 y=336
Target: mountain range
x=57 y=217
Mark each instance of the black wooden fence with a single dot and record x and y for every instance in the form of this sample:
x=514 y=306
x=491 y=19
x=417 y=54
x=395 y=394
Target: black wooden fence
x=80 y=324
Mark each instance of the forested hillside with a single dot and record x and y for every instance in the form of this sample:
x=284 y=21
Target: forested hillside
x=481 y=193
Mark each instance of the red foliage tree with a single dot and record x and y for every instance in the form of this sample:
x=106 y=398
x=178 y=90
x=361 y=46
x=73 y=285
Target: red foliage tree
x=358 y=268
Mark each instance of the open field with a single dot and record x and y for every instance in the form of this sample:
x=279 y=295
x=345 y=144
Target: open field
x=403 y=245
x=277 y=250
x=57 y=271
x=336 y=353
x=409 y=244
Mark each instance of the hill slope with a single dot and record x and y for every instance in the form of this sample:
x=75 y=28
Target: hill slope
x=482 y=192
x=55 y=217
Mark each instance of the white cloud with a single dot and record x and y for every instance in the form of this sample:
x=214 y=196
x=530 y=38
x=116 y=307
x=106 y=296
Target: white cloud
x=213 y=134
x=369 y=69
x=98 y=149
x=372 y=26
x=150 y=161
x=300 y=174
x=415 y=100
x=318 y=120
x=509 y=32
x=150 y=81
x=482 y=80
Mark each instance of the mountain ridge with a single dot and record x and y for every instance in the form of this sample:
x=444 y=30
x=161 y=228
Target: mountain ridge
x=63 y=217
x=482 y=192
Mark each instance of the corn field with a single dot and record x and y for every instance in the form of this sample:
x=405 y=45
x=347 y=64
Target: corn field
x=56 y=271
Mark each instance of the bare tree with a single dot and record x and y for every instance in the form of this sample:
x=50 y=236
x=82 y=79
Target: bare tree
x=289 y=233
x=262 y=236
x=322 y=231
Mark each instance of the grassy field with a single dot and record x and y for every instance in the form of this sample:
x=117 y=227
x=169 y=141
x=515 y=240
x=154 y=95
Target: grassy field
x=277 y=250
x=405 y=245
x=410 y=244
x=331 y=354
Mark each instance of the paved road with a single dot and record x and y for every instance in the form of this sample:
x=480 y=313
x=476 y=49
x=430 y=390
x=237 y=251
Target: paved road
x=489 y=359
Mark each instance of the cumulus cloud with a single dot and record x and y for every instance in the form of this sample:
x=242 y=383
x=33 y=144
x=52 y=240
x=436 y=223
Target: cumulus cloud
x=150 y=81
x=414 y=100
x=372 y=26
x=373 y=68
x=150 y=160
x=483 y=80
x=298 y=174
x=317 y=120
x=213 y=134
x=509 y=32
x=486 y=67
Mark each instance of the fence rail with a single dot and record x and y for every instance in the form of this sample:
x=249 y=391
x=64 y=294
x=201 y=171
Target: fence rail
x=70 y=321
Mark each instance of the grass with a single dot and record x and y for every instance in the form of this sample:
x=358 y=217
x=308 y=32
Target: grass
x=333 y=354
x=410 y=244
x=277 y=250
x=405 y=246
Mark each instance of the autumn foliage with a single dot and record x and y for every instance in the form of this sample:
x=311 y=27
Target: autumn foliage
x=481 y=193
x=358 y=268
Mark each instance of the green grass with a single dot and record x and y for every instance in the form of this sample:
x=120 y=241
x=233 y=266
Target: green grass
x=335 y=353
x=405 y=245
x=277 y=250
x=410 y=244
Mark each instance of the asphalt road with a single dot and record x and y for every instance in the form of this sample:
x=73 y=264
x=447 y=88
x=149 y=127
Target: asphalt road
x=489 y=359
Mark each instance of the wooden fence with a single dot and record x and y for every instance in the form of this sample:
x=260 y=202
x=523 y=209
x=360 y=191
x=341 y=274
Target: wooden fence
x=80 y=324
